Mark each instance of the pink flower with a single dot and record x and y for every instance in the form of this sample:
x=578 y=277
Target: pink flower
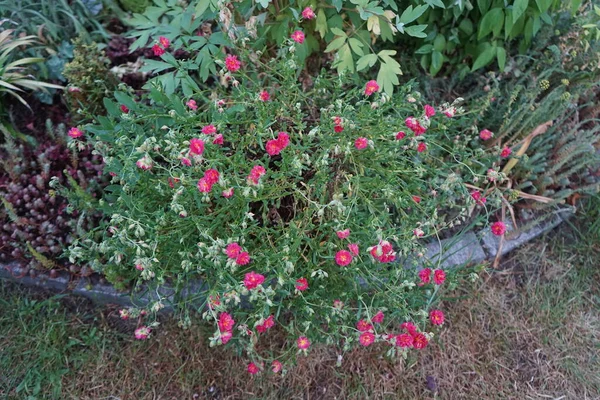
x=364 y=326
x=227 y=193
x=186 y=161
x=124 y=109
x=204 y=186
x=196 y=146
x=366 y=339
x=404 y=340
x=283 y=139
x=303 y=343
x=353 y=247
x=142 y=333
x=209 y=129
x=485 y=134
x=337 y=120
x=343 y=234
x=139 y=267
x=75 y=133
x=409 y=327
x=276 y=366
x=479 y=200
x=383 y=252
x=212 y=176
x=506 y=151
x=301 y=284
x=450 y=112
x=226 y=336
x=233 y=250
x=416 y=199
x=378 y=318
x=420 y=341
x=436 y=317
x=243 y=258
x=429 y=111
x=273 y=147
x=338 y=304
x=425 y=275
x=498 y=228
x=226 y=322
x=414 y=125
x=308 y=13
x=157 y=50
x=361 y=143
x=124 y=314
x=252 y=280
x=338 y=128
x=421 y=147
x=253 y=369
x=267 y=324
x=256 y=173
x=298 y=37
x=418 y=232
x=264 y=96
x=439 y=276
x=144 y=163
x=191 y=103
x=164 y=41
x=371 y=87
x=400 y=135
x=232 y=63
x=343 y=258
x=218 y=139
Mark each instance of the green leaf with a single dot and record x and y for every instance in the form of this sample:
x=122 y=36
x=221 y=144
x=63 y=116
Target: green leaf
x=489 y=22
x=519 y=8
x=416 y=31
x=356 y=46
x=501 y=57
x=543 y=5
x=338 y=32
x=575 y=6
x=335 y=44
x=466 y=26
x=484 y=6
x=386 y=32
x=111 y=107
x=345 y=61
x=123 y=98
x=410 y=14
x=366 y=61
x=508 y=24
x=437 y=60
x=435 y=3
x=155 y=66
x=425 y=49
x=321 y=23
x=484 y=58
x=388 y=76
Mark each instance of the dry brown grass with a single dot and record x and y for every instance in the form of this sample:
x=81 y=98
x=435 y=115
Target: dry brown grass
x=529 y=331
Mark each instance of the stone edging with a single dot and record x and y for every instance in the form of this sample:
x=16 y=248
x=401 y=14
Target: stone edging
x=471 y=248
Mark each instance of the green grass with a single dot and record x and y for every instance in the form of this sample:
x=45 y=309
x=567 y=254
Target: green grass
x=529 y=330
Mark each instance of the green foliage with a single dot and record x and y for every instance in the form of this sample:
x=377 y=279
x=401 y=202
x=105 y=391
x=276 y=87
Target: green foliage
x=135 y=6
x=166 y=221
x=90 y=80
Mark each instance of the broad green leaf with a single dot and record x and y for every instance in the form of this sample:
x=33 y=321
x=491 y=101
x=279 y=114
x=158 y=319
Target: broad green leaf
x=501 y=56
x=528 y=32
x=356 y=46
x=345 y=61
x=111 y=107
x=155 y=66
x=410 y=14
x=575 y=6
x=416 y=30
x=321 y=23
x=484 y=58
x=386 y=32
x=546 y=18
x=466 y=26
x=484 y=6
x=489 y=22
x=365 y=61
x=437 y=60
x=338 y=32
x=388 y=76
x=335 y=44
x=435 y=3
x=519 y=8
x=125 y=99
x=425 y=49
x=543 y=5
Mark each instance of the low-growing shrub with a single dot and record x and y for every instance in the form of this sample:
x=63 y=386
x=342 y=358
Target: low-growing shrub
x=307 y=209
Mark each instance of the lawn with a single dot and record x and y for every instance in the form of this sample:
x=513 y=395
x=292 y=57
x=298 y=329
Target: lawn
x=529 y=330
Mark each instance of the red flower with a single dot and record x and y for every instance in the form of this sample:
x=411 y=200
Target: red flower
x=196 y=146
x=191 y=103
x=226 y=322
x=75 y=133
x=429 y=111
x=209 y=129
x=218 y=139
x=343 y=258
x=400 y=135
x=227 y=193
x=371 y=87
x=366 y=339
x=479 y=200
x=264 y=96
x=267 y=324
x=338 y=128
x=378 y=318
x=308 y=13
x=439 y=276
x=124 y=109
x=226 y=336
x=232 y=63
x=414 y=125
x=276 y=366
x=361 y=143
x=298 y=37
x=212 y=176
x=506 y=151
x=255 y=174
x=436 y=317
x=498 y=228
x=243 y=258
x=353 y=247
x=164 y=41
x=421 y=147
x=252 y=280
x=485 y=134
x=253 y=369
x=233 y=250
x=420 y=341
x=383 y=252
x=204 y=186
x=409 y=327
x=302 y=284
x=364 y=326
x=303 y=343
x=416 y=199
x=425 y=275
x=404 y=340
x=157 y=50
x=343 y=234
